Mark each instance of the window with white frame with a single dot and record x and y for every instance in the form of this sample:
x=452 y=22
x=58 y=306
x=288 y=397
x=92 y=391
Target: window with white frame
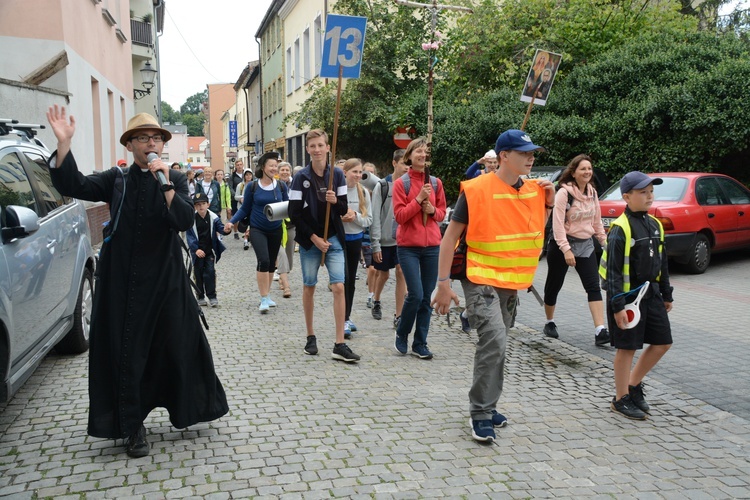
x=297 y=75
x=318 y=43
x=306 y=55
x=289 y=70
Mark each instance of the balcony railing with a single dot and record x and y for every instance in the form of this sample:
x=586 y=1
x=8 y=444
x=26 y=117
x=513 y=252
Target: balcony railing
x=140 y=33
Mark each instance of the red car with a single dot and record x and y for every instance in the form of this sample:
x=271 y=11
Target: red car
x=701 y=213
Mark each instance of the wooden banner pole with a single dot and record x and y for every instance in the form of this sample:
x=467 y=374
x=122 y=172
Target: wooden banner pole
x=333 y=160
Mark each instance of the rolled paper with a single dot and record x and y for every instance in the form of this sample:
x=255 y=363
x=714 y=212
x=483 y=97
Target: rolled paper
x=369 y=180
x=277 y=211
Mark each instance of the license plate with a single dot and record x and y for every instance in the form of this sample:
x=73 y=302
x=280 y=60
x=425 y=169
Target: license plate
x=606 y=221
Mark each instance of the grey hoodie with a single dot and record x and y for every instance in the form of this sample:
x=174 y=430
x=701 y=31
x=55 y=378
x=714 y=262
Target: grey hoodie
x=381 y=231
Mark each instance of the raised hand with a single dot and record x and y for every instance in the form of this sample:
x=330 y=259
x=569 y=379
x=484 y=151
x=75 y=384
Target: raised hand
x=62 y=128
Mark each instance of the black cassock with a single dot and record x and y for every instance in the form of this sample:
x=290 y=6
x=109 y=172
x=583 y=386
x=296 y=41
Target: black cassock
x=147 y=346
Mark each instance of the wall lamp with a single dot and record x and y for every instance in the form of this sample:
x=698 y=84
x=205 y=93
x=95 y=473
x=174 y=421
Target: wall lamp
x=148 y=75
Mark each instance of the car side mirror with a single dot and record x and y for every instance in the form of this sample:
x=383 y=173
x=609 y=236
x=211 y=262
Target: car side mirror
x=20 y=222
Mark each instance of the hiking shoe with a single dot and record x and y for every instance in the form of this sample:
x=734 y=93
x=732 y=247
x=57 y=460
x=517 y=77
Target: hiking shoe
x=236 y=236
x=342 y=352
x=465 y=326
x=311 y=347
x=347 y=330
x=421 y=351
x=550 y=330
x=482 y=430
x=636 y=395
x=498 y=419
x=270 y=302
x=351 y=324
x=602 y=338
x=214 y=302
x=377 y=311
x=627 y=408
x=137 y=444
x=401 y=345
x=263 y=307
x=396 y=321
x=369 y=302
x=202 y=302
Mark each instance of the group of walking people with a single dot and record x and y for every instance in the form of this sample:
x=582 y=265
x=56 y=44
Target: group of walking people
x=148 y=348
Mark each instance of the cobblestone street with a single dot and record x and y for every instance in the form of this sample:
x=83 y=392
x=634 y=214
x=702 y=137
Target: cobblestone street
x=389 y=427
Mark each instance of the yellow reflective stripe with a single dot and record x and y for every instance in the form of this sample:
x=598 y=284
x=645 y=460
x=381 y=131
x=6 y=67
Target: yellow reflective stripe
x=499 y=276
x=514 y=196
x=493 y=261
x=505 y=246
x=516 y=236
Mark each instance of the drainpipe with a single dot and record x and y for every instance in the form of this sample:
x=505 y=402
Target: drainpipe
x=158 y=60
x=260 y=85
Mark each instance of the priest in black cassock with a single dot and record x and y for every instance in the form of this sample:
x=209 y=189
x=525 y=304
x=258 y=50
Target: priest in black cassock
x=147 y=346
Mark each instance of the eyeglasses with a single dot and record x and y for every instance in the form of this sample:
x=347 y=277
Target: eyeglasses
x=145 y=138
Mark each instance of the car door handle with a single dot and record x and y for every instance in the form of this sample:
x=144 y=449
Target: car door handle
x=740 y=213
x=711 y=215
x=51 y=243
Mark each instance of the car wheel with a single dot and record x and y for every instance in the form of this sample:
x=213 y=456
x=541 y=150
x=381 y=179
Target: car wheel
x=77 y=339
x=699 y=255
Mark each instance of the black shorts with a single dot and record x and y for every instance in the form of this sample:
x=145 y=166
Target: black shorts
x=390 y=259
x=653 y=328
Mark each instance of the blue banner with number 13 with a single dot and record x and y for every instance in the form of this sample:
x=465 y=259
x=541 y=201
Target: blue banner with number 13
x=343 y=45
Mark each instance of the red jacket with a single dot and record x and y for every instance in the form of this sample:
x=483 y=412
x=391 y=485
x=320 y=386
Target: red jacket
x=408 y=213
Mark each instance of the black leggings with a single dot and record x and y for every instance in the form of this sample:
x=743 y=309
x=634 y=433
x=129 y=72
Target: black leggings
x=557 y=268
x=352 y=251
x=266 y=246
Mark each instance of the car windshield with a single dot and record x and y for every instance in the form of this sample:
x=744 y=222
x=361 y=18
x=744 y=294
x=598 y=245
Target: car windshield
x=673 y=189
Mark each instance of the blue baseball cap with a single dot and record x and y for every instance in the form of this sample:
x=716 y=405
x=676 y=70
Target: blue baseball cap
x=515 y=140
x=637 y=180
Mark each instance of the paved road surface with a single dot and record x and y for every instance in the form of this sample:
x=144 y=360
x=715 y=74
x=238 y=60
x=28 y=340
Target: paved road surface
x=397 y=427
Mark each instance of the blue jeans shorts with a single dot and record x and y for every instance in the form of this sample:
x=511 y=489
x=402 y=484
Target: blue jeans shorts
x=310 y=263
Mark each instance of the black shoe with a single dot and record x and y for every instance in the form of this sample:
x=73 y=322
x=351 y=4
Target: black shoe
x=342 y=352
x=627 y=408
x=137 y=445
x=377 y=311
x=311 y=347
x=602 y=338
x=550 y=330
x=636 y=394
x=236 y=236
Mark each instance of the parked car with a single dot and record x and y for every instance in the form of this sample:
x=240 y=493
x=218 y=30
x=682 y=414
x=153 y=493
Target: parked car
x=701 y=213
x=46 y=261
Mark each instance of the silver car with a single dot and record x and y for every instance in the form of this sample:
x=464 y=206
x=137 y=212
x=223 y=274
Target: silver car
x=46 y=262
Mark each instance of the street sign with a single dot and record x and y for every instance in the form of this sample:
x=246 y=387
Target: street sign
x=233 y=133
x=343 y=45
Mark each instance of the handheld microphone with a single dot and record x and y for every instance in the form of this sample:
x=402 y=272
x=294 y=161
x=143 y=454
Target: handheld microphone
x=159 y=174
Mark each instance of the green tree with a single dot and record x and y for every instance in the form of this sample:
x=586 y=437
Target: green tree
x=169 y=114
x=194 y=124
x=674 y=104
x=194 y=104
x=494 y=46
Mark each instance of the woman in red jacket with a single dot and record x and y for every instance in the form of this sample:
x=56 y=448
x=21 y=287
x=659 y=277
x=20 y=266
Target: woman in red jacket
x=418 y=245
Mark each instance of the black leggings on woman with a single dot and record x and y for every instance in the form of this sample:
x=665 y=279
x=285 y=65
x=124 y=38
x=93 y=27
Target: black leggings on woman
x=557 y=268
x=266 y=246
x=352 y=252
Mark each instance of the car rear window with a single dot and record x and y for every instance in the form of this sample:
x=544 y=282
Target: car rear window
x=673 y=189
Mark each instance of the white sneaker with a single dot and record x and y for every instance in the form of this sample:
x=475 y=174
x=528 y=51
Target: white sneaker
x=275 y=276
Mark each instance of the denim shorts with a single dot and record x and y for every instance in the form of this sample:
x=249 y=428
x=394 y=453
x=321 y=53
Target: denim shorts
x=310 y=263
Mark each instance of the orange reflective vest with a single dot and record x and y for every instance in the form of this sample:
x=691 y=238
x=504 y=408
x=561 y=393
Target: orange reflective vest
x=505 y=232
